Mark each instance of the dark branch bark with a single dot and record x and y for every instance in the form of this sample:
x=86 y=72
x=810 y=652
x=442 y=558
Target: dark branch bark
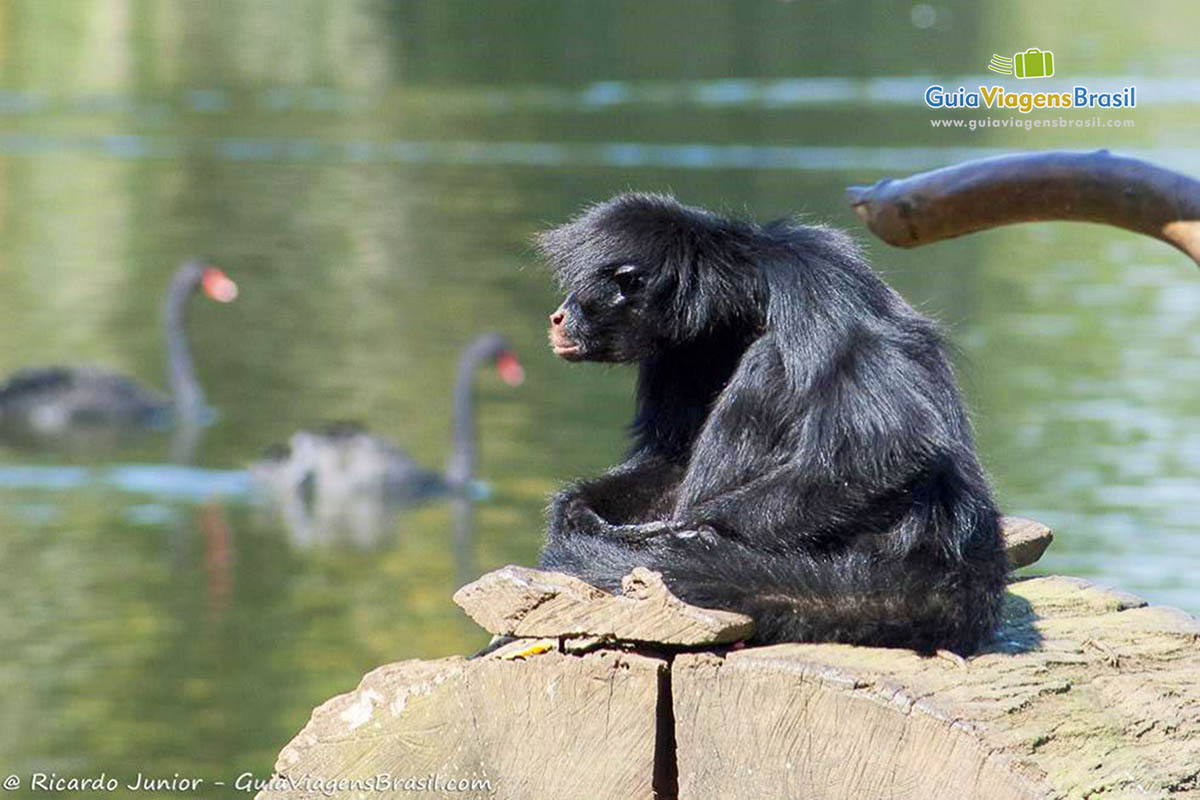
x=1034 y=187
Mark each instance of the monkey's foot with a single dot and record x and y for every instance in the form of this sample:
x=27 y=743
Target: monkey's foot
x=579 y=517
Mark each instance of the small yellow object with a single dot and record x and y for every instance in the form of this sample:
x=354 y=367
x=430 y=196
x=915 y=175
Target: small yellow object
x=535 y=649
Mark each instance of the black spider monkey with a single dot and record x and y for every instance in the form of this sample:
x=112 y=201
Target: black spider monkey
x=801 y=450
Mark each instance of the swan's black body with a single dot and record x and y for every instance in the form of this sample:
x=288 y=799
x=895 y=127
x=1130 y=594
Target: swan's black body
x=49 y=399
x=801 y=450
x=50 y=405
x=342 y=462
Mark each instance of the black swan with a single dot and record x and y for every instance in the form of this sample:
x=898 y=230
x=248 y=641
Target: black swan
x=324 y=474
x=41 y=405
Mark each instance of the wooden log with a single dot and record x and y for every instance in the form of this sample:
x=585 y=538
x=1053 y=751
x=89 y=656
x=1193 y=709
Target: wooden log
x=1085 y=693
x=549 y=725
x=519 y=601
x=1032 y=187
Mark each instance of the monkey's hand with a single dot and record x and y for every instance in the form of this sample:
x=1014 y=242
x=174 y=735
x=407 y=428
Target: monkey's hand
x=580 y=518
x=702 y=533
x=646 y=532
x=571 y=514
x=567 y=510
x=639 y=532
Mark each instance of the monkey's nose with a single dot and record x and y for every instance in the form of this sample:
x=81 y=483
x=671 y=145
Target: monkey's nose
x=557 y=317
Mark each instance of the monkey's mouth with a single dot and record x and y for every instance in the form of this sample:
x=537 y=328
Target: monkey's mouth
x=563 y=346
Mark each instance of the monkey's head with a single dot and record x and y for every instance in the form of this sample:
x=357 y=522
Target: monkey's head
x=643 y=274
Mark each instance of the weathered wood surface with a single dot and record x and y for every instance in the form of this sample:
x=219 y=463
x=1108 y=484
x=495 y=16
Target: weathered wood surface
x=1024 y=540
x=1086 y=693
x=552 y=726
x=1033 y=187
x=519 y=601
x=524 y=602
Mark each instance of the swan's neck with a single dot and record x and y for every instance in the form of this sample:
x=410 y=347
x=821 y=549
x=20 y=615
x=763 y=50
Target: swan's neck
x=186 y=394
x=461 y=466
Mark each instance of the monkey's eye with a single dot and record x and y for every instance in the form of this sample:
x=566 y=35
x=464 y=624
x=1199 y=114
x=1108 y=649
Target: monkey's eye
x=629 y=279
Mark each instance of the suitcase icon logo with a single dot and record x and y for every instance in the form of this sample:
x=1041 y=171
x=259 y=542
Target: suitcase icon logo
x=1033 y=63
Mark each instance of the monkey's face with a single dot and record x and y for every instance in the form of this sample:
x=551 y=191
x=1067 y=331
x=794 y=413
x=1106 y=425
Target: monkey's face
x=605 y=318
x=643 y=275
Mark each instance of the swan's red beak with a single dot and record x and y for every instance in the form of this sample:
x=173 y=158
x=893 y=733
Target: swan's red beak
x=510 y=369
x=218 y=286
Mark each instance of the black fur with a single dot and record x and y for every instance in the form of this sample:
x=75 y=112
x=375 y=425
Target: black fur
x=801 y=450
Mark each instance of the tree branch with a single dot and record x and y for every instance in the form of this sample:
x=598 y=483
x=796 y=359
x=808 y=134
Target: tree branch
x=1034 y=187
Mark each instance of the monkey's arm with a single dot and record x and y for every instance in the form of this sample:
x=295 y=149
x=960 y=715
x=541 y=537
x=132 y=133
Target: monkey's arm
x=582 y=520
x=632 y=493
x=780 y=507
x=770 y=511
x=760 y=474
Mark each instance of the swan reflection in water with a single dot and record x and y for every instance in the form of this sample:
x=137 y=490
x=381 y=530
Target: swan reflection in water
x=341 y=484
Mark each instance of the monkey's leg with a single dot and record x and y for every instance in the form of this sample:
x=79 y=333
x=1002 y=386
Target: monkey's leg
x=642 y=487
x=604 y=559
x=640 y=490
x=578 y=518
x=632 y=532
x=599 y=560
